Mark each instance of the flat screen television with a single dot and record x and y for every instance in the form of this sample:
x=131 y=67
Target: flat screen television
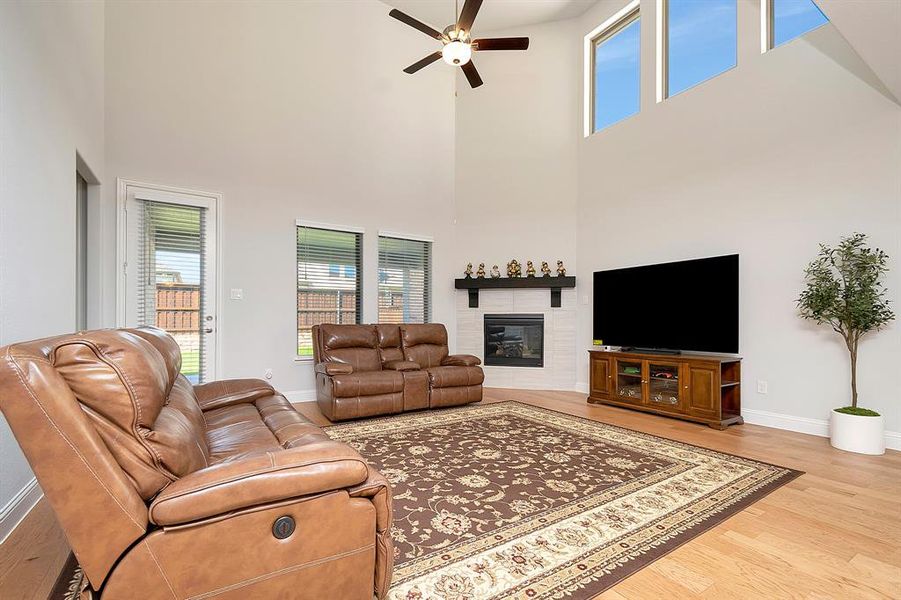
x=685 y=305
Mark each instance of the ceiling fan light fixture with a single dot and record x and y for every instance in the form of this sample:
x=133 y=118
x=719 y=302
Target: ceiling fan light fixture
x=456 y=53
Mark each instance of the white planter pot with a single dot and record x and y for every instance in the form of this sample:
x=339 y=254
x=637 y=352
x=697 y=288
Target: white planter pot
x=864 y=435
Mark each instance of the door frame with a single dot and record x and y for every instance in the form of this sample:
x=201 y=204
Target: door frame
x=176 y=195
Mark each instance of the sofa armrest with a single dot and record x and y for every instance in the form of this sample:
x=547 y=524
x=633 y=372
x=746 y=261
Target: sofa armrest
x=259 y=479
x=401 y=365
x=225 y=392
x=461 y=360
x=333 y=368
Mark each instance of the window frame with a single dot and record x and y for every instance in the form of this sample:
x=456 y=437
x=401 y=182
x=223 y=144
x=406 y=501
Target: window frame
x=610 y=27
x=768 y=26
x=663 y=91
x=359 y=231
x=428 y=309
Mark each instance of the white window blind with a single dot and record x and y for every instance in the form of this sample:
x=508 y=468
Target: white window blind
x=172 y=262
x=329 y=280
x=405 y=280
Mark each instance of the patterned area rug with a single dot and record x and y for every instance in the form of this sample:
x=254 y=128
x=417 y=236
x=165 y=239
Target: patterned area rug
x=512 y=501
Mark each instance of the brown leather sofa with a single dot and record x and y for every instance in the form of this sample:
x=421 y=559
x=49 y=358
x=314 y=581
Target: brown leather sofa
x=367 y=370
x=168 y=490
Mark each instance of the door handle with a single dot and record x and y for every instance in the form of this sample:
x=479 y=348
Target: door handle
x=208 y=330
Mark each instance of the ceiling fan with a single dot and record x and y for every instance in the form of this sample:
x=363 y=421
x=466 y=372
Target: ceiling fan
x=458 y=44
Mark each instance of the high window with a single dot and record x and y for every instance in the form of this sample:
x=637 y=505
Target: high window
x=405 y=280
x=615 y=69
x=788 y=19
x=699 y=38
x=329 y=280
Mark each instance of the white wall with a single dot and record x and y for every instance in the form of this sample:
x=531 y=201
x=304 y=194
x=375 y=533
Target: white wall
x=291 y=110
x=791 y=148
x=51 y=107
x=516 y=147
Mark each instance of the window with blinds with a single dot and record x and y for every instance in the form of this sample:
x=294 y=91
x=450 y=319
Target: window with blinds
x=329 y=280
x=405 y=280
x=172 y=263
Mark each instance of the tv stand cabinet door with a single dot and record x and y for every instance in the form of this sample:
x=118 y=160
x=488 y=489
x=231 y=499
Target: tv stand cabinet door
x=601 y=377
x=703 y=389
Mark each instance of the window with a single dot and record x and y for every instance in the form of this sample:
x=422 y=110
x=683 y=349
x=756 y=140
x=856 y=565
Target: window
x=615 y=70
x=405 y=280
x=329 y=286
x=700 y=42
x=788 y=19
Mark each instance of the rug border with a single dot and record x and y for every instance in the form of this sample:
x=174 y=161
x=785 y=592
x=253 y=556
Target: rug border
x=656 y=553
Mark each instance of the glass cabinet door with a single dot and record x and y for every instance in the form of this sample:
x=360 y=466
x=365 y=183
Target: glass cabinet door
x=663 y=386
x=628 y=380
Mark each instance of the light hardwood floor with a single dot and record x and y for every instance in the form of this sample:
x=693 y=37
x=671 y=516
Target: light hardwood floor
x=834 y=532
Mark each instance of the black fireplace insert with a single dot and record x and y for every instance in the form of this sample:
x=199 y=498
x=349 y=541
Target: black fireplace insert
x=514 y=340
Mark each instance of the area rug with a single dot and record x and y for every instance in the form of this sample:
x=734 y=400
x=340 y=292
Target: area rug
x=513 y=501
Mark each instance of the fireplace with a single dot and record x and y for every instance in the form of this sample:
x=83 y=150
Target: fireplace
x=514 y=340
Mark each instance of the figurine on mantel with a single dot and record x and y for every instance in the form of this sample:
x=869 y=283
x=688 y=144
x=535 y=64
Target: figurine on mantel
x=468 y=272
x=480 y=274
x=530 y=269
x=514 y=269
x=495 y=272
x=545 y=270
x=561 y=270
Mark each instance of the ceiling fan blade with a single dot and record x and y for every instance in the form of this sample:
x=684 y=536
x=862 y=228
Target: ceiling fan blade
x=510 y=43
x=468 y=14
x=423 y=63
x=472 y=75
x=405 y=18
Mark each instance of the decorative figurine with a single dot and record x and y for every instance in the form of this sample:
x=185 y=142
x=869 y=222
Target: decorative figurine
x=480 y=274
x=468 y=272
x=495 y=272
x=514 y=269
x=530 y=269
x=545 y=270
x=561 y=270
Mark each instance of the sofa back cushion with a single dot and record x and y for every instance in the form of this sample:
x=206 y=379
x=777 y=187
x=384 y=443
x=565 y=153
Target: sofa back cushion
x=425 y=344
x=127 y=382
x=355 y=345
x=390 y=347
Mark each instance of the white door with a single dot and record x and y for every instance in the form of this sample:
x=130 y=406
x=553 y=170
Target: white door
x=167 y=251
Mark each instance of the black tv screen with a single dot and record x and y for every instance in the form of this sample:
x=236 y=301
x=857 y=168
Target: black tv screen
x=686 y=305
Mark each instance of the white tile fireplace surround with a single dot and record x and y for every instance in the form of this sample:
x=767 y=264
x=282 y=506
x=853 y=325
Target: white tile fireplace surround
x=559 y=370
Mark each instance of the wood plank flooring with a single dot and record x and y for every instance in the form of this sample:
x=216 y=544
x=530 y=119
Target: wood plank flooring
x=835 y=532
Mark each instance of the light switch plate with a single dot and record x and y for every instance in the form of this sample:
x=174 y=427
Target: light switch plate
x=236 y=294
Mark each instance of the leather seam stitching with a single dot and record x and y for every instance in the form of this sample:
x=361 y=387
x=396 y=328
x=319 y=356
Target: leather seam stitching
x=20 y=376
x=160 y=569
x=250 y=475
x=270 y=575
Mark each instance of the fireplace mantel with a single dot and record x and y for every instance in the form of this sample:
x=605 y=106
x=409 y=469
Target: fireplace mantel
x=474 y=284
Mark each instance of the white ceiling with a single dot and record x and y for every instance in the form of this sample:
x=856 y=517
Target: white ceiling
x=494 y=14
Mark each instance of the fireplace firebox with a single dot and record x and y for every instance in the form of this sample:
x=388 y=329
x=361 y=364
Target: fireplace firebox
x=514 y=340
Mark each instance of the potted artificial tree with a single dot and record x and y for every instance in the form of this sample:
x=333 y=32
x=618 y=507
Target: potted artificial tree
x=845 y=291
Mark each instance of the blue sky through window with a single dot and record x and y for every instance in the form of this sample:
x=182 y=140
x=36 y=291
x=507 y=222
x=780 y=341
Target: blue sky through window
x=617 y=66
x=792 y=18
x=701 y=40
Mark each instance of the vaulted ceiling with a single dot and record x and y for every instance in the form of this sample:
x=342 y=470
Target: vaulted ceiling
x=494 y=14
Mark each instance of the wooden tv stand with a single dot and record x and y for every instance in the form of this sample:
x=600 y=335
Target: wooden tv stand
x=694 y=387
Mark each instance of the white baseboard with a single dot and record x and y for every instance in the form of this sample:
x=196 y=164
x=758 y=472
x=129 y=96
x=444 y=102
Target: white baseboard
x=18 y=508
x=581 y=386
x=295 y=396
x=818 y=427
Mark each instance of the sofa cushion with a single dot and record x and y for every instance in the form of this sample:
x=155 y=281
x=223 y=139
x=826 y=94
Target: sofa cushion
x=425 y=344
x=371 y=383
x=389 y=342
x=444 y=377
x=124 y=383
x=355 y=345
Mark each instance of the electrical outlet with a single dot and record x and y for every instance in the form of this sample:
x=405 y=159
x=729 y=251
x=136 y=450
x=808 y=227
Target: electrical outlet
x=267 y=374
x=761 y=386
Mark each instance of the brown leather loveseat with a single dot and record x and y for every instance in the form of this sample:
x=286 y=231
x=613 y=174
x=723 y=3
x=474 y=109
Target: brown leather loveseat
x=367 y=370
x=168 y=490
